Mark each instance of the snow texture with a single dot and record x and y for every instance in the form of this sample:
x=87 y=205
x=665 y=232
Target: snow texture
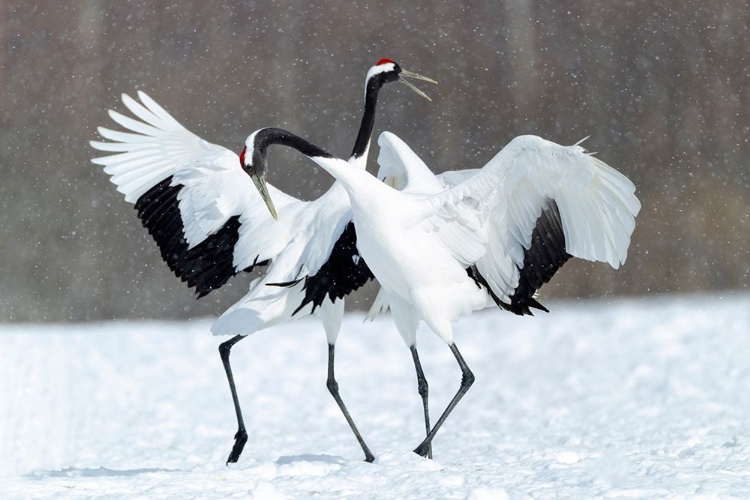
x=640 y=398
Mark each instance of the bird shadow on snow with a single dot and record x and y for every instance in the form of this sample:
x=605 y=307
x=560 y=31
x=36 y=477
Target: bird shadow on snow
x=308 y=457
x=89 y=472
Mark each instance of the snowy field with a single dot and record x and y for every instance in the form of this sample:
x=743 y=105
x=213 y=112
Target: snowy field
x=638 y=398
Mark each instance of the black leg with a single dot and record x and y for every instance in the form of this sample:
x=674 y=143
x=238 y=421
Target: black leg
x=423 y=391
x=467 y=379
x=241 y=437
x=333 y=388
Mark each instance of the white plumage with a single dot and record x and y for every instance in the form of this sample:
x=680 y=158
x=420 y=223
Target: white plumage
x=438 y=255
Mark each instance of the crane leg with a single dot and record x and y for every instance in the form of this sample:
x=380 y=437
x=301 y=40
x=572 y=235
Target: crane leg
x=467 y=379
x=333 y=388
x=241 y=437
x=423 y=389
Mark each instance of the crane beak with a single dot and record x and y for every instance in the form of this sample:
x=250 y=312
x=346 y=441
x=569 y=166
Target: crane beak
x=260 y=184
x=408 y=74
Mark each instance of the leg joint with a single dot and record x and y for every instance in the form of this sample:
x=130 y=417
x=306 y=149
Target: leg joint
x=333 y=386
x=467 y=379
x=224 y=349
x=423 y=387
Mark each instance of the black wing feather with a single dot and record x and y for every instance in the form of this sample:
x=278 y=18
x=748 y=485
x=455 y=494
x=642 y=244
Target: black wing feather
x=540 y=263
x=208 y=265
x=343 y=272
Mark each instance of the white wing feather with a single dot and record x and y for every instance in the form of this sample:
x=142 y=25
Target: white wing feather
x=596 y=203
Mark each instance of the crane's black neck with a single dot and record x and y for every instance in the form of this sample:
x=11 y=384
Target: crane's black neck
x=269 y=136
x=272 y=135
x=374 y=85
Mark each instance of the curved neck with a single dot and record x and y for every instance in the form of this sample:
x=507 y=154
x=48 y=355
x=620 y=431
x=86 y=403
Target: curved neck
x=269 y=136
x=362 y=143
x=353 y=180
x=266 y=137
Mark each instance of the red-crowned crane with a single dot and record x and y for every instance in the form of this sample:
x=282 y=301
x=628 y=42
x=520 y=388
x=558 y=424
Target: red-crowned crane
x=495 y=237
x=210 y=225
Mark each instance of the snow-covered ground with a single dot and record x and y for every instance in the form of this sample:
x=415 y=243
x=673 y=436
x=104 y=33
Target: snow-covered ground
x=627 y=398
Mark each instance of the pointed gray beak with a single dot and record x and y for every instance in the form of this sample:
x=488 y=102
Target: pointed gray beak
x=260 y=184
x=409 y=74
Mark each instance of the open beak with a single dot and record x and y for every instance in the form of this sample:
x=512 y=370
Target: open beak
x=260 y=184
x=408 y=74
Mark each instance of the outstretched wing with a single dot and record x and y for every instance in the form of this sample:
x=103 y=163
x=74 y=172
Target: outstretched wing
x=192 y=196
x=538 y=203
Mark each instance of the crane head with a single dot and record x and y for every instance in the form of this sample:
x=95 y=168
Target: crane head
x=388 y=70
x=255 y=166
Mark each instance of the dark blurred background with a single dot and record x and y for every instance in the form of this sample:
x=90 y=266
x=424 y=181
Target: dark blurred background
x=660 y=86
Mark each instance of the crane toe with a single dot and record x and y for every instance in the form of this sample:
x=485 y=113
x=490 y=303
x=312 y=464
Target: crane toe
x=239 y=444
x=423 y=450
